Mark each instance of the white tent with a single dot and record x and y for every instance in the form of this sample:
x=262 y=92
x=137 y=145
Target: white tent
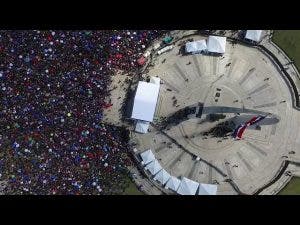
x=145 y=101
x=155 y=80
x=207 y=189
x=165 y=49
x=187 y=187
x=253 y=35
x=142 y=126
x=162 y=176
x=216 y=44
x=154 y=167
x=173 y=183
x=195 y=46
x=147 y=156
x=147 y=54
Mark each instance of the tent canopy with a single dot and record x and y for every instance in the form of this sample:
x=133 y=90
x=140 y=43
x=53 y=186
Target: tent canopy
x=195 y=46
x=153 y=167
x=147 y=156
x=141 y=61
x=168 y=40
x=207 y=189
x=142 y=126
x=254 y=35
x=173 y=183
x=155 y=80
x=216 y=44
x=145 y=101
x=187 y=187
x=162 y=176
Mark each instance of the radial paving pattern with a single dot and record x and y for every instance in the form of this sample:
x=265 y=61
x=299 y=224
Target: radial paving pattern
x=243 y=78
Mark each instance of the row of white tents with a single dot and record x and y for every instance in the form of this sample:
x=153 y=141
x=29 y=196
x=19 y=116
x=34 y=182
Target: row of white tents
x=214 y=44
x=217 y=44
x=184 y=186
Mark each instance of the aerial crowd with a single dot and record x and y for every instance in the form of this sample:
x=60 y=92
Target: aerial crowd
x=53 y=86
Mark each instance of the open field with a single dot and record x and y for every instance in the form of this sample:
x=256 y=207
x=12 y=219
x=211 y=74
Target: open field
x=132 y=189
x=293 y=187
x=289 y=41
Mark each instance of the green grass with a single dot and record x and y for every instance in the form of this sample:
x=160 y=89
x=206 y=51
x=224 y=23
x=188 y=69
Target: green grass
x=289 y=41
x=132 y=189
x=293 y=187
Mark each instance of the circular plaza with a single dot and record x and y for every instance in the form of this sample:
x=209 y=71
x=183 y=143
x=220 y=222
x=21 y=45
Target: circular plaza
x=241 y=83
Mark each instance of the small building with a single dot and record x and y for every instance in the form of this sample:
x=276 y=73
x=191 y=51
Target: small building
x=216 y=44
x=253 y=35
x=195 y=47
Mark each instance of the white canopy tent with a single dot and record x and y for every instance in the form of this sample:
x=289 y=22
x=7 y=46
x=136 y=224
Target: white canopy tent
x=147 y=156
x=173 y=183
x=216 y=44
x=153 y=167
x=254 y=35
x=162 y=176
x=155 y=80
x=142 y=126
x=145 y=101
x=207 y=189
x=187 y=187
x=196 y=46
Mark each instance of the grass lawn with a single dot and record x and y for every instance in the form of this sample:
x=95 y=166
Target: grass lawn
x=132 y=189
x=293 y=187
x=289 y=41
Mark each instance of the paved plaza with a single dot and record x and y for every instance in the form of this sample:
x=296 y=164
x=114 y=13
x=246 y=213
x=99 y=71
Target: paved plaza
x=240 y=84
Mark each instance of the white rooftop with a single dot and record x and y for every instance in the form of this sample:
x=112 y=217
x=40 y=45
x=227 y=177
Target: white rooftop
x=216 y=44
x=187 y=187
x=153 y=167
x=173 y=183
x=195 y=46
x=253 y=35
x=162 y=176
x=145 y=101
x=147 y=156
x=207 y=189
x=155 y=80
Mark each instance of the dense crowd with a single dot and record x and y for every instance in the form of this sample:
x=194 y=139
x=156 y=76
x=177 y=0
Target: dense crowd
x=53 y=86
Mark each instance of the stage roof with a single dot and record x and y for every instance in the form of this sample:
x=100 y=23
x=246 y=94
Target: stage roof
x=145 y=101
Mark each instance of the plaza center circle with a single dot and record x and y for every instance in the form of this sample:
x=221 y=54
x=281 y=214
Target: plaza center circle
x=241 y=84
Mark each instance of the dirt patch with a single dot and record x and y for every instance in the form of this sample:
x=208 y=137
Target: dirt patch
x=119 y=87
